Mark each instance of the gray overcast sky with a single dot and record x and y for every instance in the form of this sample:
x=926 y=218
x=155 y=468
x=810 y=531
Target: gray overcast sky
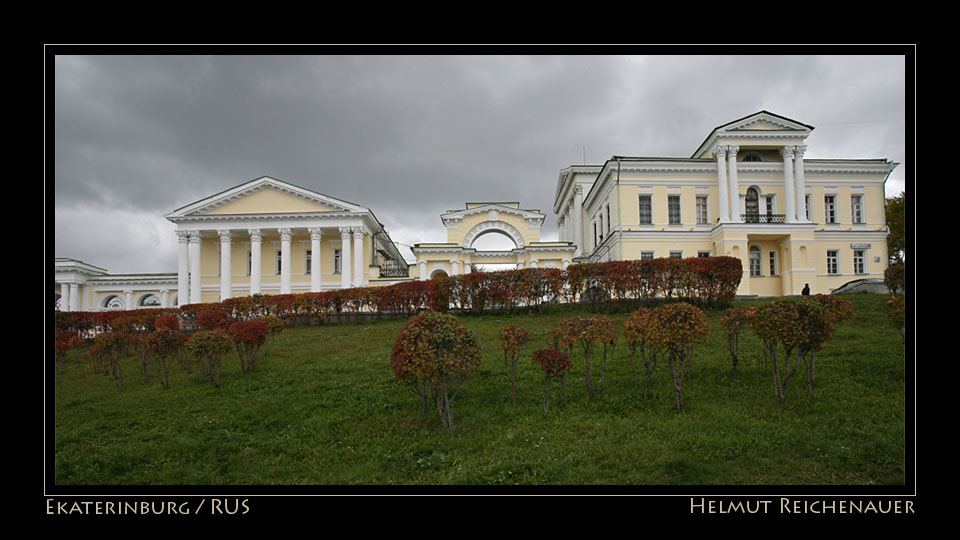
x=413 y=136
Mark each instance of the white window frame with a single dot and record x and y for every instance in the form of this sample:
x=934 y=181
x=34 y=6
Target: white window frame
x=676 y=254
x=337 y=260
x=755 y=255
x=856 y=208
x=646 y=255
x=830 y=208
x=671 y=210
x=773 y=264
x=833 y=262
x=860 y=260
x=640 y=216
x=703 y=210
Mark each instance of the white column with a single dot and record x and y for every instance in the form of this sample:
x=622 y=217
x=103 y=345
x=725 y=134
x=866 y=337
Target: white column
x=183 y=269
x=800 y=183
x=345 y=234
x=724 y=192
x=315 y=237
x=788 y=188
x=75 y=297
x=284 y=260
x=578 y=219
x=195 y=297
x=734 y=183
x=256 y=252
x=423 y=270
x=455 y=265
x=226 y=272
x=128 y=300
x=165 y=298
x=467 y=267
x=358 y=272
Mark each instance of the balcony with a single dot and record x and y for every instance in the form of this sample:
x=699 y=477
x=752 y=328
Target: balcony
x=763 y=218
x=392 y=269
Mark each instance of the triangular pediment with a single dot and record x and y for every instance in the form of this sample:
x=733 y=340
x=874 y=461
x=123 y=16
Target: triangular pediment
x=265 y=196
x=765 y=121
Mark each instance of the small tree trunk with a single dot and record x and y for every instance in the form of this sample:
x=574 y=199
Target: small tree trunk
x=546 y=394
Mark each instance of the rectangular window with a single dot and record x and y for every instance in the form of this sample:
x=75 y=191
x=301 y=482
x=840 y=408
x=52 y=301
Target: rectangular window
x=859 y=262
x=701 y=209
x=336 y=261
x=773 y=263
x=646 y=254
x=308 y=263
x=856 y=203
x=608 y=218
x=646 y=210
x=833 y=265
x=771 y=208
x=279 y=262
x=673 y=209
x=830 y=208
x=595 y=242
x=676 y=254
x=704 y=254
x=249 y=263
x=806 y=203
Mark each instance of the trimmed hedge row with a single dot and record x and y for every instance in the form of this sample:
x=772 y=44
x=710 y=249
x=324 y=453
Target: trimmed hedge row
x=701 y=280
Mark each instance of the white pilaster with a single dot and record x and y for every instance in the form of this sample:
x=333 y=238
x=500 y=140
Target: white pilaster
x=723 y=189
x=788 y=187
x=345 y=273
x=226 y=282
x=578 y=218
x=467 y=267
x=455 y=265
x=284 y=260
x=165 y=298
x=798 y=179
x=315 y=237
x=358 y=280
x=423 y=270
x=733 y=177
x=194 y=257
x=128 y=300
x=256 y=252
x=183 y=268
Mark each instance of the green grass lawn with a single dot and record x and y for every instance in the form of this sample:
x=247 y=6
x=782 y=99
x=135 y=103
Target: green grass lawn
x=324 y=408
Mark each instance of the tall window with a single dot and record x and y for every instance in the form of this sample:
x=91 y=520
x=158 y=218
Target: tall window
x=833 y=263
x=856 y=203
x=336 y=261
x=308 y=268
x=830 y=208
x=701 y=209
x=771 y=207
x=279 y=262
x=608 y=218
x=673 y=207
x=859 y=262
x=249 y=263
x=806 y=203
x=773 y=263
x=752 y=207
x=646 y=210
x=755 y=260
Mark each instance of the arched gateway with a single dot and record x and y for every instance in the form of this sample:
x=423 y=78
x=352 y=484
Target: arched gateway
x=458 y=255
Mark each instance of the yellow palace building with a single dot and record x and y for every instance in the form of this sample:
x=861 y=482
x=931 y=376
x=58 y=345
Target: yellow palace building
x=265 y=236
x=747 y=192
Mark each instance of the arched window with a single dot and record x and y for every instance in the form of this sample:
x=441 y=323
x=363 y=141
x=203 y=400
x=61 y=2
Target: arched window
x=752 y=157
x=752 y=206
x=114 y=302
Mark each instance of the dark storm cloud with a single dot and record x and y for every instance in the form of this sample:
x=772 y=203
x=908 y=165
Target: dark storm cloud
x=410 y=137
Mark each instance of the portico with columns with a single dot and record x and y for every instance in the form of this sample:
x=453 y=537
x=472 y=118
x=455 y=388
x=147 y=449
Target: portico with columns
x=749 y=191
x=267 y=236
